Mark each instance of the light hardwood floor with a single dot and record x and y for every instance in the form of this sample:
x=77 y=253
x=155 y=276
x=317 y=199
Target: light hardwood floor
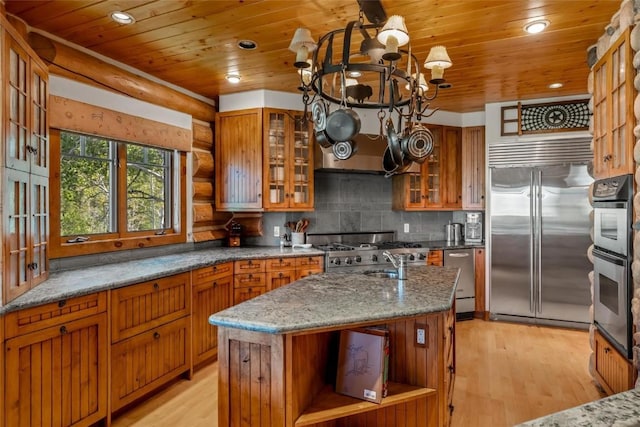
x=506 y=374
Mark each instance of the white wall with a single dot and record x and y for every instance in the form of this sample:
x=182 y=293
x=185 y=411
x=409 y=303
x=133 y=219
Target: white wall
x=81 y=92
x=368 y=117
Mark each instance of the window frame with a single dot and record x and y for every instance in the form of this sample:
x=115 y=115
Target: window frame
x=122 y=239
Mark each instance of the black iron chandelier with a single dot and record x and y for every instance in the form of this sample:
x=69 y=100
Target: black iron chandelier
x=369 y=66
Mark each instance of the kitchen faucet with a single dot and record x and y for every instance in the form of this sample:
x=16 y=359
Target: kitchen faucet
x=399 y=262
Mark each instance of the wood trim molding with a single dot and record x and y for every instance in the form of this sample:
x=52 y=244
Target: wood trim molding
x=106 y=75
x=78 y=116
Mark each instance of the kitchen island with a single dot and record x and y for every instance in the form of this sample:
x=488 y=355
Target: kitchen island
x=277 y=352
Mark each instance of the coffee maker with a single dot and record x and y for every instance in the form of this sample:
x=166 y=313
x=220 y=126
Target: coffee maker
x=473 y=227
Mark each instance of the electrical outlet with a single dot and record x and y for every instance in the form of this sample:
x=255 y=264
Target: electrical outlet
x=406 y=228
x=276 y=231
x=420 y=336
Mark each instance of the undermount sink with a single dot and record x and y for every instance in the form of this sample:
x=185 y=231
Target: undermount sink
x=383 y=274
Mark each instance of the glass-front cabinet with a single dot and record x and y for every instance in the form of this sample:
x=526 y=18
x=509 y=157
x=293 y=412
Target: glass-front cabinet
x=288 y=161
x=613 y=93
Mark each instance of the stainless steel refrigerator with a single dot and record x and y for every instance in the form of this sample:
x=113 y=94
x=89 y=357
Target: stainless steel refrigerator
x=539 y=232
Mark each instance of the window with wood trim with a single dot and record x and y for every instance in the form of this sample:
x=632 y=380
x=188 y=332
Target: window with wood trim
x=114 y=195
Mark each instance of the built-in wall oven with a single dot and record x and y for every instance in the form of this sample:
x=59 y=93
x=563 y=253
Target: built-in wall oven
x=612 y=203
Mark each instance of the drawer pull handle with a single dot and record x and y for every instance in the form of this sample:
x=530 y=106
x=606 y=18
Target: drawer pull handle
x=156 y=286
x=63 y=330
x=156 y=335
x=62 y=303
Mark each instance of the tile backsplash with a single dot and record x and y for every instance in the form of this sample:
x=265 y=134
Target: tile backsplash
x=358 y=202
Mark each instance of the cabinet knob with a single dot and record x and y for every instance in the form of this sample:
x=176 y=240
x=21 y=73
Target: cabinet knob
x=62 y=303
x=249 y=290
x=607 y=158
x=215 y=284
x=156 y=335
x=156 y=286
x=63 y=330
x=451 y=368
x=607 y=349
x=451 y=408
x=280 y=274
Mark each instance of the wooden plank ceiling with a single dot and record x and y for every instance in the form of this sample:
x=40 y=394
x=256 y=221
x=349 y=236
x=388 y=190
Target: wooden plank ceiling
x=193 y=44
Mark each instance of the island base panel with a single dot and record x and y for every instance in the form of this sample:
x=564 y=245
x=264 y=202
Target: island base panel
x=288 y=380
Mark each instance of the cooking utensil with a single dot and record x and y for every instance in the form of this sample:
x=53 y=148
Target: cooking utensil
x=319 y=115
x=343 y=149
x=394 y=144
x=418 y=144
x=323 y=139
x=343 y=124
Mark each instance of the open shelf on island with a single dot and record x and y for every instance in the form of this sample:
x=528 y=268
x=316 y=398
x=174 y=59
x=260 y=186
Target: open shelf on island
x=329 y=405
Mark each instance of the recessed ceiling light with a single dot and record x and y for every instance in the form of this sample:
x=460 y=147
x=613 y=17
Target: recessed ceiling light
x=233 y=78
x=247 y=44
x=122 y=17
x=536 y=27
x=555 y=85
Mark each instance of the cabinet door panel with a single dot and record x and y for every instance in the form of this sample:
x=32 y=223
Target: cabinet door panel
x=58 y=375
x=145 y=361
x=39 y=152
x=275 y=279
x=238 y=159
x=16 y=81
x=452 y=168
x=473 y=171
x=39 y=232
x=208 y=298
x=16 y=234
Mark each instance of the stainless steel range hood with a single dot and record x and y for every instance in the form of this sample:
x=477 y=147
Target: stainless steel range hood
x=367 y=158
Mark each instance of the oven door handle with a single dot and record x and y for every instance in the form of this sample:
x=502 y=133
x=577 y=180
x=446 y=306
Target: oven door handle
x=617 y=260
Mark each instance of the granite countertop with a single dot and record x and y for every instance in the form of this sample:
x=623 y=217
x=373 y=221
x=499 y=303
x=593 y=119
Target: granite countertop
x=618 y=410
x=334 y=299
x=74 y=283
x=444 y=244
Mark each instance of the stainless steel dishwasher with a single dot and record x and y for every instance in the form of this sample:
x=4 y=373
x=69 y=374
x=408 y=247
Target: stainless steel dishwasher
x=465 y=293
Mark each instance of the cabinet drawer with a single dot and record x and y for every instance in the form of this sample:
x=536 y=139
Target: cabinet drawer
x=244 y=280
x=137 y=308
x=280 y=264
x=43 y=316
x=308 y=272
x=142 y=363
x=275 y=279
x=310 y=262
x=246 y=293
x=249 y=266
x=207 y=274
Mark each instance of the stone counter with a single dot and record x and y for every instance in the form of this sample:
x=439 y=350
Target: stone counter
x=332 y=299
x=619 y=410
x=74 y=283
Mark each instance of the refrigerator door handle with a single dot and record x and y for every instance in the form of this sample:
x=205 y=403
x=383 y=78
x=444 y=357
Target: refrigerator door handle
x=539 y=241
x=532 y=238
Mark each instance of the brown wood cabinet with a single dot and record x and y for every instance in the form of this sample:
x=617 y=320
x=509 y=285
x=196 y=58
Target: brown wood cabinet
x=56 y=357
x=436 y=258
x=306 y=266
x=614 y=372
x=238 y=161
x=438 y=184
x=25 y=169
x=150 y=336
x=613 y=118
x=212 y=292
x=473 y=173
x=288 y=161
x=480 y=309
